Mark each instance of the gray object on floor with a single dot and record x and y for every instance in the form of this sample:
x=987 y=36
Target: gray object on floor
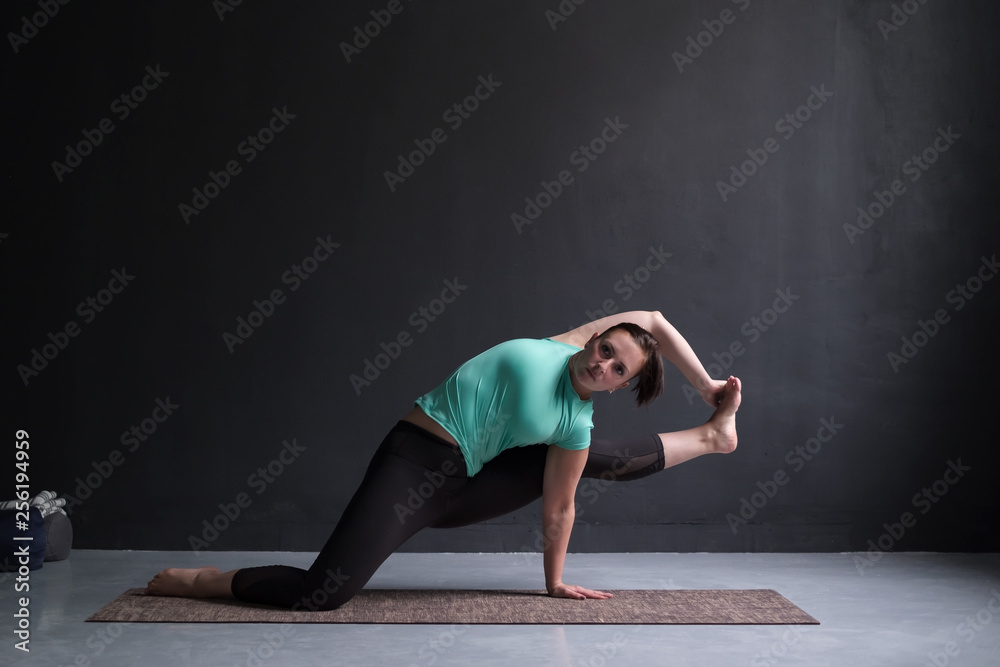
x=58 y=536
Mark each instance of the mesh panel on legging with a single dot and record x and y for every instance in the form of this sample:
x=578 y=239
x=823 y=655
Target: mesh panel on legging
x=624 y=459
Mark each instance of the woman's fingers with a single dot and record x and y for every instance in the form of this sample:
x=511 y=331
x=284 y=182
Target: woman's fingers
x=596 y=595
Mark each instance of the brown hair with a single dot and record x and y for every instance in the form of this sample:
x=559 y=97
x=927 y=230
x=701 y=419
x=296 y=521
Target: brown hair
x=649 y=379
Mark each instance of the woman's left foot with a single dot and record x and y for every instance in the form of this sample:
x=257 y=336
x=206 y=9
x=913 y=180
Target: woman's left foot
x=181 y=582
x=723 y=420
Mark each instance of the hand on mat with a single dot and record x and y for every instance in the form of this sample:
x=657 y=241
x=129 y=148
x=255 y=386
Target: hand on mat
x=577 y=592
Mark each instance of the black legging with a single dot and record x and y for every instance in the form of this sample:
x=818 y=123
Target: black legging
x=417 y=480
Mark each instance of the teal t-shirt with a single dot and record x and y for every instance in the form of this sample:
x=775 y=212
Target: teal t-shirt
x=515 y=394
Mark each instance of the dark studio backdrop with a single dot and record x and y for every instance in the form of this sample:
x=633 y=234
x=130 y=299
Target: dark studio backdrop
x=239 y=239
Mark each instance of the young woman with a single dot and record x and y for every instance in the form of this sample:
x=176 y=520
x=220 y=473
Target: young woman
x=467 y=452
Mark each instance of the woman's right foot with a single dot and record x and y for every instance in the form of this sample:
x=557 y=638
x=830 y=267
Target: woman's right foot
x=723 y=421
x=182 y=582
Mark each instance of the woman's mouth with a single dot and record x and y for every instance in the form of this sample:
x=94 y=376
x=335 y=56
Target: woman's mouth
x=592 y=376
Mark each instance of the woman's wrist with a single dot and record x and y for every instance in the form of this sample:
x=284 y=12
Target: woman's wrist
x=703 y=382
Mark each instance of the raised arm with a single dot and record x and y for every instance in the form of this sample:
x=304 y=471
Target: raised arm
x=563 y=468
x=672 y=346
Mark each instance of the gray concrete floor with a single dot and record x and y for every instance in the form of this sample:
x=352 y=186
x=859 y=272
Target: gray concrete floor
x=906 y=609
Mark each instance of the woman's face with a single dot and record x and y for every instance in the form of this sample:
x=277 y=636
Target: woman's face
x=606 y=363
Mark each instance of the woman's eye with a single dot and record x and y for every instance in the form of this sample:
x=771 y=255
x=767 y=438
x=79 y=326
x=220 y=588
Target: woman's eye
x=605 y=349
x=620 y=370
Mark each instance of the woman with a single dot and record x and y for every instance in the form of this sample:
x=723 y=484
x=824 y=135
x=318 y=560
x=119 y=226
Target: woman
x=465 y=454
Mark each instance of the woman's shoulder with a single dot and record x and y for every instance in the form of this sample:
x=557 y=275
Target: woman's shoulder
x=571 y=338
x=542 y=345
x=531 y=350
x=564 y=340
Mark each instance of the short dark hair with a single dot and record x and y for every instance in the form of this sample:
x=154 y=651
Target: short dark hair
x=649 y=379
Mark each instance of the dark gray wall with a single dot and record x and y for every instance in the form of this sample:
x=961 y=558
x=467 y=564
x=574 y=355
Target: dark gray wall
x=682 y=126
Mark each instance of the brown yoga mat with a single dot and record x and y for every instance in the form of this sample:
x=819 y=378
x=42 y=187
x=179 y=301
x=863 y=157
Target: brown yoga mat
x=630 y=607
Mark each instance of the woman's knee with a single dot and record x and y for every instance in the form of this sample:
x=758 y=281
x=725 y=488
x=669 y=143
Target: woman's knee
x=328 y=595
x=321 y=604
x=320 y=600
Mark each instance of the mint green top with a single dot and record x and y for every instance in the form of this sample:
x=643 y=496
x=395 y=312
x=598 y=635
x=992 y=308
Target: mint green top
x=514 y=394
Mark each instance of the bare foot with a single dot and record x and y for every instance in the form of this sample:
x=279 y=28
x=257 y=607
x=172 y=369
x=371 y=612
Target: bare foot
x=182 y=582
x=723 y=420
